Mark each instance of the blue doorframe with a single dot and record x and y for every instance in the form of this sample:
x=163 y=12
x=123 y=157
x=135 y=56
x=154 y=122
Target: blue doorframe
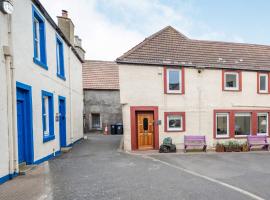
x=62 y=121
x=24 y=123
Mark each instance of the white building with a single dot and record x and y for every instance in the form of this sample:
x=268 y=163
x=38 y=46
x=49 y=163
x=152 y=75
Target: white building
x=171 y=86
x=41 y=102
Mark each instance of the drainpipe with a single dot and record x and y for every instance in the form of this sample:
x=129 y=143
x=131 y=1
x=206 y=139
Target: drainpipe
x=70 y=97
x=11 y=102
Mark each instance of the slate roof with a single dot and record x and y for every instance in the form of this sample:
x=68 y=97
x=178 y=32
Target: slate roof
x=170 y=47
x=100 y=75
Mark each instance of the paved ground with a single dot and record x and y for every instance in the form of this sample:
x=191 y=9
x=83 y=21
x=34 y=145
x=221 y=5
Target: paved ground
x=94 y=169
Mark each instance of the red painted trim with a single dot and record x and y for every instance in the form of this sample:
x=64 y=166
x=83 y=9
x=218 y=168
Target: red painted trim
x=258 y=82
x=133 y=111
x=183 y=114
x=182 y=79
x=254 y=121
x=239 y=77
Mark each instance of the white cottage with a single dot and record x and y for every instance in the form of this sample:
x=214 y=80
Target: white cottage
x=171 y=86
x=41 y=102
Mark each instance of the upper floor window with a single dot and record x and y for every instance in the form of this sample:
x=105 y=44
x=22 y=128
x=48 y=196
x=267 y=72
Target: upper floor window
x=39 y=39
x=174 y=82
x=47 y=116
x=263 y=83
x=60 y=58
x=232 y=80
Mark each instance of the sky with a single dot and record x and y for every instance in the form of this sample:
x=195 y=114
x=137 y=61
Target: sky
x=109 y=28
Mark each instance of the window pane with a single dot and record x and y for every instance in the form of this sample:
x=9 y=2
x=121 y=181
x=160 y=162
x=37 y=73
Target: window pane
x=174 y=122
x=145 y=124
x=46 y=115
x=222 y=124
x=242 y=124
x=58 y=57
x=231 y=80
x=96 y=121
x=37 y=38
x=262 y=123
x=174 y=80
x=263 y=83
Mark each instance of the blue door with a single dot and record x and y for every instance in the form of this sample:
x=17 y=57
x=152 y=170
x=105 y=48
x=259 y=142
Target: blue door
x=24 y=124
x=62 y=121
x=21 y=129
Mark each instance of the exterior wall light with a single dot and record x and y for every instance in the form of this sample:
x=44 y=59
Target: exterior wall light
x=6 y=6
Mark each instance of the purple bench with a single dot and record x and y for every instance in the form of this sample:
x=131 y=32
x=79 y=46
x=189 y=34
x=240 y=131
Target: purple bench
x=257 y=140
x=194 y=141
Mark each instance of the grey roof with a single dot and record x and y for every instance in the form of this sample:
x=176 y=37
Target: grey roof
x=170 y=47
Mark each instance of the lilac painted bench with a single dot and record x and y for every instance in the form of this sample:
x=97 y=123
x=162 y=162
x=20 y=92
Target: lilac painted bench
x=194 y=141
x=256 y=140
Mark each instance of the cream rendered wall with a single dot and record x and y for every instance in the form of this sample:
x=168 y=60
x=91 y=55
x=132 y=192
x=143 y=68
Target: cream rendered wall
x=29 y=73
x=4 y=158
x=144 y=86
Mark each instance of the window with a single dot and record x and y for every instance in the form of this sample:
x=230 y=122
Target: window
x=222 y=125
x=60 y=58
x=47 y=116
x=174 y=122
x=262 y=127
x=39 y=39
x=263 y=83
x=232 y=81
x=174 y=80
x=96 y=121
x=242 y=124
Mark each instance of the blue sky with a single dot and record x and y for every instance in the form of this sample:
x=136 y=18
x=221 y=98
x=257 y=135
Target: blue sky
x=111 y=27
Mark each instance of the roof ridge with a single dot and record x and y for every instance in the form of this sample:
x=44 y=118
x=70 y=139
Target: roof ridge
x=148 y=39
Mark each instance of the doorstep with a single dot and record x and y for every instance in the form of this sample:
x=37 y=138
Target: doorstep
x=24 y=169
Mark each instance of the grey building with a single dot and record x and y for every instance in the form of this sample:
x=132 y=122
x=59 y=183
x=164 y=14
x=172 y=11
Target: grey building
x=101 y=95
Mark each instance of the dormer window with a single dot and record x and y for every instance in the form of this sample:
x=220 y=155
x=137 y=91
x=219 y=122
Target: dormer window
x=231 y=81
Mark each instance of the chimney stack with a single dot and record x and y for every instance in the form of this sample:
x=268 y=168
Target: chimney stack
x=66 y=25
x=78 y=47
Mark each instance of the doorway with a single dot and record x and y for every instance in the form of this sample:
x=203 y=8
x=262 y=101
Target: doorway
x=62 y=121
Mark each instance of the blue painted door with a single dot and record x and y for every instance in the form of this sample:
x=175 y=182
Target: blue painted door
x=21 y=129
x=62 y=121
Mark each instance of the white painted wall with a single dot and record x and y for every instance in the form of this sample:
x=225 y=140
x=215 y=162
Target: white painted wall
x=27 y=72
x=144 y=86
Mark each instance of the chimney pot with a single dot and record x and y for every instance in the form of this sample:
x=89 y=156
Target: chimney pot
x=65 y=13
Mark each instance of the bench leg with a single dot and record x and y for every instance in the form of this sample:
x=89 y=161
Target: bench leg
x=185 y=149
x=204 y=148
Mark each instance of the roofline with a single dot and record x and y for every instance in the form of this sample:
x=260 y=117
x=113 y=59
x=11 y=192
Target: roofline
x=261 y=69
x=54 y=25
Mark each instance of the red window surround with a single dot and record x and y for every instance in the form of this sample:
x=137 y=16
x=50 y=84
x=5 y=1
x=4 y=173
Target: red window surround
x=254 y=114
x=183 y=114
x=258 y=82
x=239 y=78
x=182 y=78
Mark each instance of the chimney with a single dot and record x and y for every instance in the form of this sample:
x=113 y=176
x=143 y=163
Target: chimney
x=66 y=26
x=78 y=47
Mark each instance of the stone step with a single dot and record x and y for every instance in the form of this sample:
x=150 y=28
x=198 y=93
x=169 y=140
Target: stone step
x=65 y=149
x=24 y=169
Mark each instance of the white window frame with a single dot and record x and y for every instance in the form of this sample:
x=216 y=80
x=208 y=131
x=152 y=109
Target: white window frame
x=243 y=114
x=266 y=83
x=46 y=115
x=237 y=81
x=175 y=129
x=180 y=81
x=37 y=38
x=227 y=115
x=267 y=125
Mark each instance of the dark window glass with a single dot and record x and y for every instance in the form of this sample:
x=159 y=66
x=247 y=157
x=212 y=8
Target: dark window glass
x=145 y=124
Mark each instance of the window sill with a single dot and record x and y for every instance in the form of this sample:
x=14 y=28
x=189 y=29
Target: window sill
x=175 y=93
x=174 y=131
x=61 y=77
x=224 y=137
x=41 y=64
x=231 y=90
x=48 y=138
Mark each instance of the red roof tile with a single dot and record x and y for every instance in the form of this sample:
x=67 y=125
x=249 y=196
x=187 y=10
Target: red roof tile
x=100 y=75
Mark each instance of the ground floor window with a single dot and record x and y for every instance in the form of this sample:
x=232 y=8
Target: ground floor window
x=174 y=121
x=96 y=121
x=233 y=123
x=262 y=127
x=222 y=125
x=242 y=124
